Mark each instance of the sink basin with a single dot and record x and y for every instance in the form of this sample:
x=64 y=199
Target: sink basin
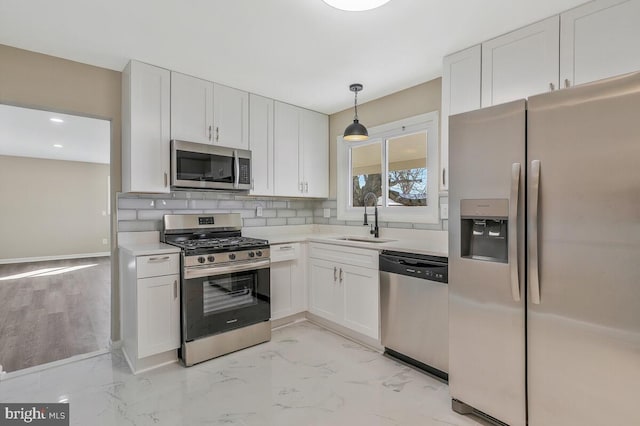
x=364 y=239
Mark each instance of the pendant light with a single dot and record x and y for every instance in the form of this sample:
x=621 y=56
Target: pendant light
x=355 y=131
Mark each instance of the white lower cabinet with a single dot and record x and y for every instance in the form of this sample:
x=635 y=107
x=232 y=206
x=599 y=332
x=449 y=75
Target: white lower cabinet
x=150 y=303
x=288 y=287
x=346 y=294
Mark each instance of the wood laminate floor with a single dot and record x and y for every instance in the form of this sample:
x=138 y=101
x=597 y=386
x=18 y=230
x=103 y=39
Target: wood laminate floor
x=53 y=310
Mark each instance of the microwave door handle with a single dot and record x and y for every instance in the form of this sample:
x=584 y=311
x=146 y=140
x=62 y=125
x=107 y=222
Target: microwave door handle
x=236 y=165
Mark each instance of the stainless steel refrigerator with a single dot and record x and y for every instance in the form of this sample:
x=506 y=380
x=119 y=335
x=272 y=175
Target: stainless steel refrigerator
x=544 y=258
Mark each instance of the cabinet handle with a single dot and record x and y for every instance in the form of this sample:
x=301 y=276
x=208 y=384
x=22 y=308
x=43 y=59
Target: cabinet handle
x=567 y=83
x=301 y=187
x=335 y=272
x=252 y=185
x=552 y=87
x=175 y=289
x=286 y=247
x=159 y=259
x=340 y=274
x=444 y=176
x=166 y=179
x=210 y=129
x=306 y=187
x=217 y=133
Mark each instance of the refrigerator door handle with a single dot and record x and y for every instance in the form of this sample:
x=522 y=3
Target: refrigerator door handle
x=513 y=231
x=534 y=277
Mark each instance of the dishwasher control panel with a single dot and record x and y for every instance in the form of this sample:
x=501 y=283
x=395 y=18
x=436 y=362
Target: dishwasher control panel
x=433 y=268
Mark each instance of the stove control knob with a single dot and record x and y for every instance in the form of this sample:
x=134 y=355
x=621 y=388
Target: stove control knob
x=259 y=253
x=211 y=259
x=201 y=259
x=251 y=254
x=232 y=256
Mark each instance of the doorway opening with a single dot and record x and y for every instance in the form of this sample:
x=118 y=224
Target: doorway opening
x=55 y=279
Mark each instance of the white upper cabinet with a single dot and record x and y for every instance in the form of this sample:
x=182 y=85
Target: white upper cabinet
x=461 y=87
x=301 y=152
x=145 y=128
x=521 y=63
x=191 y=108
x=599 y=39
x=230 y=117
x=286 y=168
x=314 y=138
x=261 y=144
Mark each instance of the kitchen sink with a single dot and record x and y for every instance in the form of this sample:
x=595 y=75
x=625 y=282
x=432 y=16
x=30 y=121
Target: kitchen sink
x=364 y=239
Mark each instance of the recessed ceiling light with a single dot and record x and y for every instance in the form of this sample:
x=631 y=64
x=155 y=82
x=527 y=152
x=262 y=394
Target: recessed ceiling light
x=57 y=120
x=57 y=145
x=355 y=5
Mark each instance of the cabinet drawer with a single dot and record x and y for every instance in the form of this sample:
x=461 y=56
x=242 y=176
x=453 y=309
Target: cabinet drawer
x=284 y=252
x=346 y=255
x=159 y=264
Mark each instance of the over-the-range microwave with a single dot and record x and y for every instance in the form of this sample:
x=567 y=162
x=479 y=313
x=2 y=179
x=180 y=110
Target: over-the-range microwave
x=203 y=166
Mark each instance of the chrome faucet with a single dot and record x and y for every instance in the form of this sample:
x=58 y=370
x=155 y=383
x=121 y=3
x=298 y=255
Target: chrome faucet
x=374 y=229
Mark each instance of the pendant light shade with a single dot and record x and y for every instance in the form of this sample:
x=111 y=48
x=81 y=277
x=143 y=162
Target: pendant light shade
x=355 y=131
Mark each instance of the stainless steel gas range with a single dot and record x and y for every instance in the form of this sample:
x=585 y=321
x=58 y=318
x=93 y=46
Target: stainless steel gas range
x=225 y=285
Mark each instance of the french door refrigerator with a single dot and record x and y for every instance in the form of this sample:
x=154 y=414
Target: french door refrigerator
x=544 y=258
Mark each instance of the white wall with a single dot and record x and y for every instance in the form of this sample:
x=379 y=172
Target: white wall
x=52 y=207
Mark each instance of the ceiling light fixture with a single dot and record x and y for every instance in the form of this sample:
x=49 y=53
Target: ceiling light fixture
x=58 y=146
x=355 y=5
x=355 y=131
x=57 y=120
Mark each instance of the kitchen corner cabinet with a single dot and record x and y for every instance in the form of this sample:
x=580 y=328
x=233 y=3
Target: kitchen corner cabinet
x=288 y=286
x=206 y=112
x=301 y=151
x=598 y=40
x=150 y=287
x=461 y=87
x=344 y=287
x=145 y=128
x=521 y=63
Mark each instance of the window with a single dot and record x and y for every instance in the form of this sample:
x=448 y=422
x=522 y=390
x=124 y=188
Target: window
x=396 y=169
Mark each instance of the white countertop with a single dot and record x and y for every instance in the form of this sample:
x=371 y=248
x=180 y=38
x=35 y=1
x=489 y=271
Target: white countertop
x=433 y=243
x=146 y=249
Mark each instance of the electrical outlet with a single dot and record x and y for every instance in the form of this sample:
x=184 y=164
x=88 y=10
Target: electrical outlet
x=105 y=241
x=104 y=213
x=327 y=213
x=259 y=211
x=444 y=211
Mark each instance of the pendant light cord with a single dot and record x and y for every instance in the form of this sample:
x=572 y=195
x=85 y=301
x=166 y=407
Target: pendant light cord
x=356 y=105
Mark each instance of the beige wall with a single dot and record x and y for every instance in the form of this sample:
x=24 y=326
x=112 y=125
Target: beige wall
x=40 y=81
x=60 y=204
x=416 y=100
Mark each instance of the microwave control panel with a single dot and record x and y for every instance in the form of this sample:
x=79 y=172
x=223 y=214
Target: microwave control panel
x=245 y=171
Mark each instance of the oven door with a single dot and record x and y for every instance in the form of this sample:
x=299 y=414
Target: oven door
x=196 y=165
x=222 y=298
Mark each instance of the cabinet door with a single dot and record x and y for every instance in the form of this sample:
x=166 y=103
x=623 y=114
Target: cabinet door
x=461 y=87
x=599 y=40
x=261 y=144
x=287 y=181
x=158 y=314
x=361 y=299
x=314 y=141
x=325 y=299
x=231 y=117
x=191 y=108
x=145 y=135
x=522 y=63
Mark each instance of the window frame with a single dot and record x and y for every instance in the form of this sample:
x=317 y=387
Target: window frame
x=428 y=214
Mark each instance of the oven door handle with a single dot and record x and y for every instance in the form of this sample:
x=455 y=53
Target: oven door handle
x=209 y=271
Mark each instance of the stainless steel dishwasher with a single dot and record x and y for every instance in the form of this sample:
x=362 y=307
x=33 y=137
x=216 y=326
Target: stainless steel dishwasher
x=414 y=310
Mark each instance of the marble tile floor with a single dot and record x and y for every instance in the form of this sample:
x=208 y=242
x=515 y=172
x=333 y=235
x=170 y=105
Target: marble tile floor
x=306 y=375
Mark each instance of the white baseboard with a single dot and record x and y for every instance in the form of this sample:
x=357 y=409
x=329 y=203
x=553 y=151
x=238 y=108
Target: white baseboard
x=61 y=257
x=41 y=367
